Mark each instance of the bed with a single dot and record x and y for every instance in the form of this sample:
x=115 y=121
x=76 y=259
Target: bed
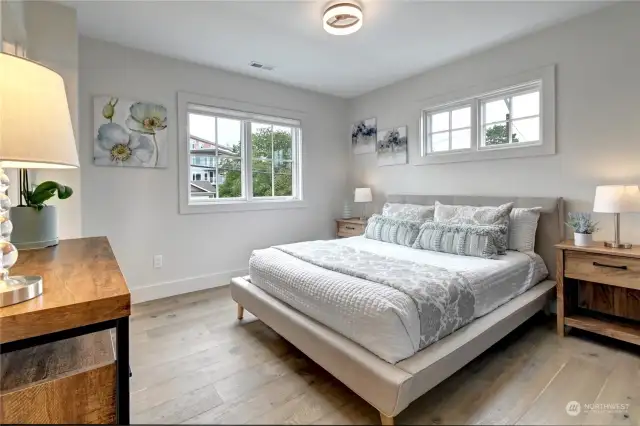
x=388 y=368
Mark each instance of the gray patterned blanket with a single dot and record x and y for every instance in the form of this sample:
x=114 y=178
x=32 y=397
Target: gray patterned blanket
x=444 y=299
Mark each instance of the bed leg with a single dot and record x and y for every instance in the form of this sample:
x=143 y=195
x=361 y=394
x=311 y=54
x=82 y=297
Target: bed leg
x=386 y=420
x=240 y=311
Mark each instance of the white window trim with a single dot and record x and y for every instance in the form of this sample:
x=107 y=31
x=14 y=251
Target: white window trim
x=425 y=142
x=547 y=145
x=186 y=206
x=523 y=89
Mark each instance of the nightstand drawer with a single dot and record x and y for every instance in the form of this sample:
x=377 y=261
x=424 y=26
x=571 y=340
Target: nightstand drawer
x=613 y=270
x=350 y=230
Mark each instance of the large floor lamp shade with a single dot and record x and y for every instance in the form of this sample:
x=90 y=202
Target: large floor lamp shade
x=35 y=132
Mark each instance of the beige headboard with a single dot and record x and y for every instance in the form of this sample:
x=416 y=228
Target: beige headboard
x=550 y=227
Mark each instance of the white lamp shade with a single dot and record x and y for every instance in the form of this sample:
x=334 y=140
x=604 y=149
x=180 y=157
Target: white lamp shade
x=363 y=195
x=35 y=125
x=617 y=199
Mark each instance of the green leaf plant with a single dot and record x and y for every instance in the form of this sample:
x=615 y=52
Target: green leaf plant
x=37 y=196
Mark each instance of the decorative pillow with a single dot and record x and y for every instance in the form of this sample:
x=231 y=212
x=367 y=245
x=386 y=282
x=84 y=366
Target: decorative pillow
x=408 y=211
x=463 y=239
x=472 y=215
x=522 y=228
x=391 y=230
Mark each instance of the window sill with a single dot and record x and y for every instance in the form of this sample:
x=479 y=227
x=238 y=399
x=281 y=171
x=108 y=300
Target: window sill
x=532 y=150
x=241 y=206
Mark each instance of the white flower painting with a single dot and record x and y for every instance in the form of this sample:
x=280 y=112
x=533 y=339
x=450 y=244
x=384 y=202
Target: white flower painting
x=129 y=133
x=392 y=146
x=363 y=136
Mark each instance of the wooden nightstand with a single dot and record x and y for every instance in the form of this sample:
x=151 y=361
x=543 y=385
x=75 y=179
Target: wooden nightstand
x=599 y=290
x=350 y=227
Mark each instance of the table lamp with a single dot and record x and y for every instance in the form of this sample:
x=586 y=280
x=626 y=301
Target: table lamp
x=617 y=199
x=363 y=195
x=35 y=132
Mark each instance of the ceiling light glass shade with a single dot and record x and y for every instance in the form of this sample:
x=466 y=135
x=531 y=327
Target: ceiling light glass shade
x=342 y=19
x=35 y=124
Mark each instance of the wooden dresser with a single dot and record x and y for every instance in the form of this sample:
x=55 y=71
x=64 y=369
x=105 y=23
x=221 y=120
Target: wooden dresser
x=599 y=290
x=65 y=354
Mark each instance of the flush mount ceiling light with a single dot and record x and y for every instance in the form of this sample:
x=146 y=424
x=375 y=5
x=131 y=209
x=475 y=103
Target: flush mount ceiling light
x=342 y=19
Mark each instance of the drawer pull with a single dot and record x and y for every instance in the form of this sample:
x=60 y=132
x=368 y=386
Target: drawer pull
x=623 y=267
x=350 y=227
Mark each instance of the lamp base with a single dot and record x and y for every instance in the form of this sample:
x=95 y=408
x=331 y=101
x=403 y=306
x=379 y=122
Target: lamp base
x=613 y=244
x=18 y=289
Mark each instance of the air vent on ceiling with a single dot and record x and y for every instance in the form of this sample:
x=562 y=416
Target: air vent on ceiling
x=261 y=66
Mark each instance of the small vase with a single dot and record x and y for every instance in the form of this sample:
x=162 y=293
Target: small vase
x=582 y=240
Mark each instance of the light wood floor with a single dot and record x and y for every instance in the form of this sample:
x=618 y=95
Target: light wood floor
x=193 y=362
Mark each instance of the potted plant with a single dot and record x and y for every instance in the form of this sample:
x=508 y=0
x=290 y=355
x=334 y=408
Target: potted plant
x=583 y=228
x=35 y=225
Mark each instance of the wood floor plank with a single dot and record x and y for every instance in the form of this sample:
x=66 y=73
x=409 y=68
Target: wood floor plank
x=181 y=408
x=619 y=400
x=262 y=399
x=579 y=380
x=194 y=362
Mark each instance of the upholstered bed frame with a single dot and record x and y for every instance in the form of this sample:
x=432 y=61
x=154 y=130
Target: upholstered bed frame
x=390 y=388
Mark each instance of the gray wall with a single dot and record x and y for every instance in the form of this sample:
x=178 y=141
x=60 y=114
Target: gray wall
x=598 y=130
x=138 y=208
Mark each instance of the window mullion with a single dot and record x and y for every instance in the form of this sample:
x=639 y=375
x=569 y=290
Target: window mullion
x=273 y=180
x=294 y=177
x=475 y=132
x=248 y=166
x=217 y=160
x=450 y=130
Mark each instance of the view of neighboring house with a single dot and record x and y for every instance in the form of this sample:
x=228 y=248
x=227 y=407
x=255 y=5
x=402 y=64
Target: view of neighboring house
x=204 y=178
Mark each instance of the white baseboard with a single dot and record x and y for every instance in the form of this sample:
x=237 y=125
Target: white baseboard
x=187 y=285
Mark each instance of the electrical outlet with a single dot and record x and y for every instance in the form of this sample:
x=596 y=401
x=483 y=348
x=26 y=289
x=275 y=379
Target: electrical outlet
x=157 y=261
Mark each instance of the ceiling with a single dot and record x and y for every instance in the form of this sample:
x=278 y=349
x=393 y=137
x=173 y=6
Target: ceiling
x=398 y=39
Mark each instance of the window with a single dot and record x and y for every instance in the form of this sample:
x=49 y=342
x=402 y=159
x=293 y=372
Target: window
x=247 y=159
x=449 y=130
x=511 y=118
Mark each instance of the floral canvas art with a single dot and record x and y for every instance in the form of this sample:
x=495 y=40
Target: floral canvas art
x=392 y=146
x=363 y=136
x=129 y=133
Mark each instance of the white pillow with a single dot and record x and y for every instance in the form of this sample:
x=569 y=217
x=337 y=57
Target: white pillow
x=408 y=211
x=522 y=228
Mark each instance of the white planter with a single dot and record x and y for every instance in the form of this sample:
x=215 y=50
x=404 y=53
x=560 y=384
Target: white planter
x=34 y=229
x=582 y=240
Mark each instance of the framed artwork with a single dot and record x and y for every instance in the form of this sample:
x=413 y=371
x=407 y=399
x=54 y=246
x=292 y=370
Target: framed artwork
x=128 y=133
x=392 y=146
x=363 y=136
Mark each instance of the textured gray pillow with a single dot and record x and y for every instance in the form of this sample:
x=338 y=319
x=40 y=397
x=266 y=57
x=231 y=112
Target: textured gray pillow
x=408 y=211
x=471 y=215
x=390 y=230
x=464 y=239
x=522 y=228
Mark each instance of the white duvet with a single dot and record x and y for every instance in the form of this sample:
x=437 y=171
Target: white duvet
x=376 y=316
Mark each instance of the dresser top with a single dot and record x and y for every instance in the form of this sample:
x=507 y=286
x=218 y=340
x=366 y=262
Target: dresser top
x=355 y=220
x=598 y=247
x=82 y=285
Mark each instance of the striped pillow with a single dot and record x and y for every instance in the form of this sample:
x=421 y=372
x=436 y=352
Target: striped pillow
x=391 y=230
x=463 y=239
